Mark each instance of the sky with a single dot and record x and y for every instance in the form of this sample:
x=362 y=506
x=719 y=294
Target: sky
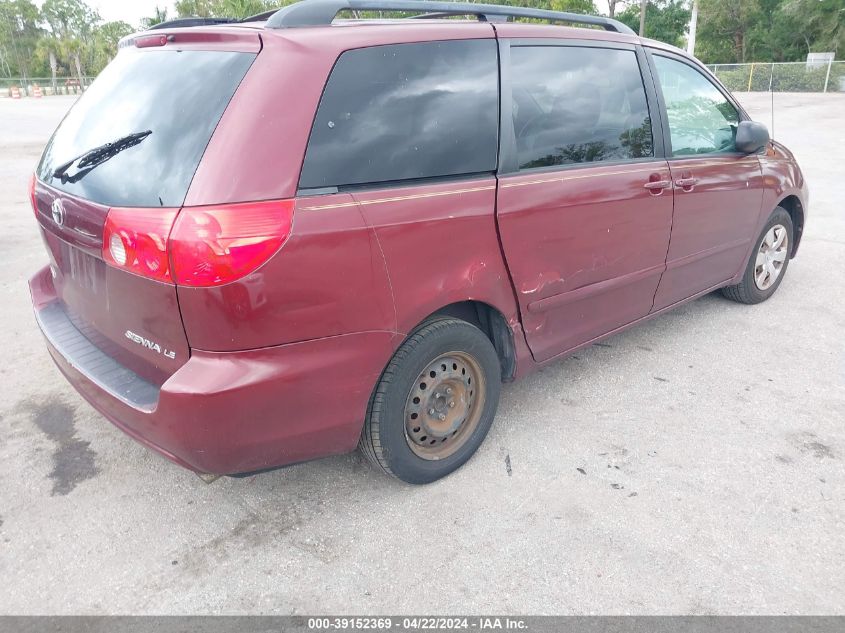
x=132 y=11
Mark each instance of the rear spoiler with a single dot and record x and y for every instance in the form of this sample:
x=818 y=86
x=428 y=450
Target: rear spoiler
x=182 y=23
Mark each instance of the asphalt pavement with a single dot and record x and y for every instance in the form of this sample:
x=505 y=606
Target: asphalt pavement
x=691 y=465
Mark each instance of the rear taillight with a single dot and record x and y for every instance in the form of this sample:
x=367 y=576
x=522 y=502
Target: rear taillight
x=32 y=199
x=214 y=245
x=136 y=240
x=197 y=246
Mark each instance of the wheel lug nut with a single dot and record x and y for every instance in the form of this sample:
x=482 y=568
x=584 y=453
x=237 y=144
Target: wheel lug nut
x=449 y=390
x=431 y=411
x=442 y=416
x=451 y=404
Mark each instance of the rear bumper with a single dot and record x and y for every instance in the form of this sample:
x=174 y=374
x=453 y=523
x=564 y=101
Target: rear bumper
x=228 y=412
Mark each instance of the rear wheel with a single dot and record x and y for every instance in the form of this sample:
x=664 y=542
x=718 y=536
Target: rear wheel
x=434 y=403
x=768 y=262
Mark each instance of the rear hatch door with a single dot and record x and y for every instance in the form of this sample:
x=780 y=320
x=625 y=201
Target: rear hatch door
x=148 y=118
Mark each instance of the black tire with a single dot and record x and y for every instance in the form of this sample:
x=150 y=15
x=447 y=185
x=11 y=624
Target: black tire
x=747 y=291
x=385 y=440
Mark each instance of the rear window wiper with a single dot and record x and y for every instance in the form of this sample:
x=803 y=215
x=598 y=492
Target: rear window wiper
x=97 y=156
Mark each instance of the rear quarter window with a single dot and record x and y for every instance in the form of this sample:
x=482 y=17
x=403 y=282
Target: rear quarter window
x=178 y=96
x=406 y=111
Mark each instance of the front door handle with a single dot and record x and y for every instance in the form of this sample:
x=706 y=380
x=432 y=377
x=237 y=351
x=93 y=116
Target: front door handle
x=655 y=185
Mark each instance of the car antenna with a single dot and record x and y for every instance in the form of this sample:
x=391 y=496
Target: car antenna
x=772 y=94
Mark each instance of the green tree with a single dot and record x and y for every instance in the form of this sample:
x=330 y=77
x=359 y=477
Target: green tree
x=572 y=6
x=20 y=32
x=48 y=50
x=198 y=8
x=772 y=36
x=72 y=23
x=225 y=8
x=616 y=6
x=665 y=20
x=757 y=30
x=106 y=38
x=821 y=22
x=242 y=8
x=159 y=17
x=724 y=27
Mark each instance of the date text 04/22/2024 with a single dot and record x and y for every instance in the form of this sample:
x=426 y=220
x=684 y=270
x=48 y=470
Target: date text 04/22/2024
x=420 y=623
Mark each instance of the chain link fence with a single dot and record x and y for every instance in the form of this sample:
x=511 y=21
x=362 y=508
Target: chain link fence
x=26 y=87
x=782 y=77
x=756 y=77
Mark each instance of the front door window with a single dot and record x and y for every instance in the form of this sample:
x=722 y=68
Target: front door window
x=701 y=120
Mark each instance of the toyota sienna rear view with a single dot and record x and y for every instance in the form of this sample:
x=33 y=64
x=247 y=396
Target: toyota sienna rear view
x=287 y=237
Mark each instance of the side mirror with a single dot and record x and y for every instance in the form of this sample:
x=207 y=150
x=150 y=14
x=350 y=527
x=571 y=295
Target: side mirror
x=751 y=137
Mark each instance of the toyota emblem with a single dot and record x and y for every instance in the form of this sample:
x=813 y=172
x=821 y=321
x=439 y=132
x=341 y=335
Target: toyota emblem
x=58 y=211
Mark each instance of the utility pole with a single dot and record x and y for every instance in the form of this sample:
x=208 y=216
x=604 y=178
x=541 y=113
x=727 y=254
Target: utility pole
x=643 y=4
x=693 y=24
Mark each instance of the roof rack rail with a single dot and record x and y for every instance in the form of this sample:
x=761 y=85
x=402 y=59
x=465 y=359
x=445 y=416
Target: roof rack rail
x=322 y=12
x=441 y=14
x=179 y=23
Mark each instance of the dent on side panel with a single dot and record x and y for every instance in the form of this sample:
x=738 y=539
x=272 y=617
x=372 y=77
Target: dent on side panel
x=329 y=278
x=585 y=247
x=441 y=247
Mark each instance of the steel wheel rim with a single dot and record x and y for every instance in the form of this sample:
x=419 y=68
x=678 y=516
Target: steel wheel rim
x=771 y=257
x=444 y=405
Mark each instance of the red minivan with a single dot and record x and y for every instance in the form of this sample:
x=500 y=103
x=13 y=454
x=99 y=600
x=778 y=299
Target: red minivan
x=279 y=239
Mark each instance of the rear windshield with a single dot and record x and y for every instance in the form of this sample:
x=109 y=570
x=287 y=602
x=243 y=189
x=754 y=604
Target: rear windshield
x=166 y=103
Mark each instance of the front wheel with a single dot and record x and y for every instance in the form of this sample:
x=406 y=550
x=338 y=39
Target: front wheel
x=434 y=403
x=768 y=262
